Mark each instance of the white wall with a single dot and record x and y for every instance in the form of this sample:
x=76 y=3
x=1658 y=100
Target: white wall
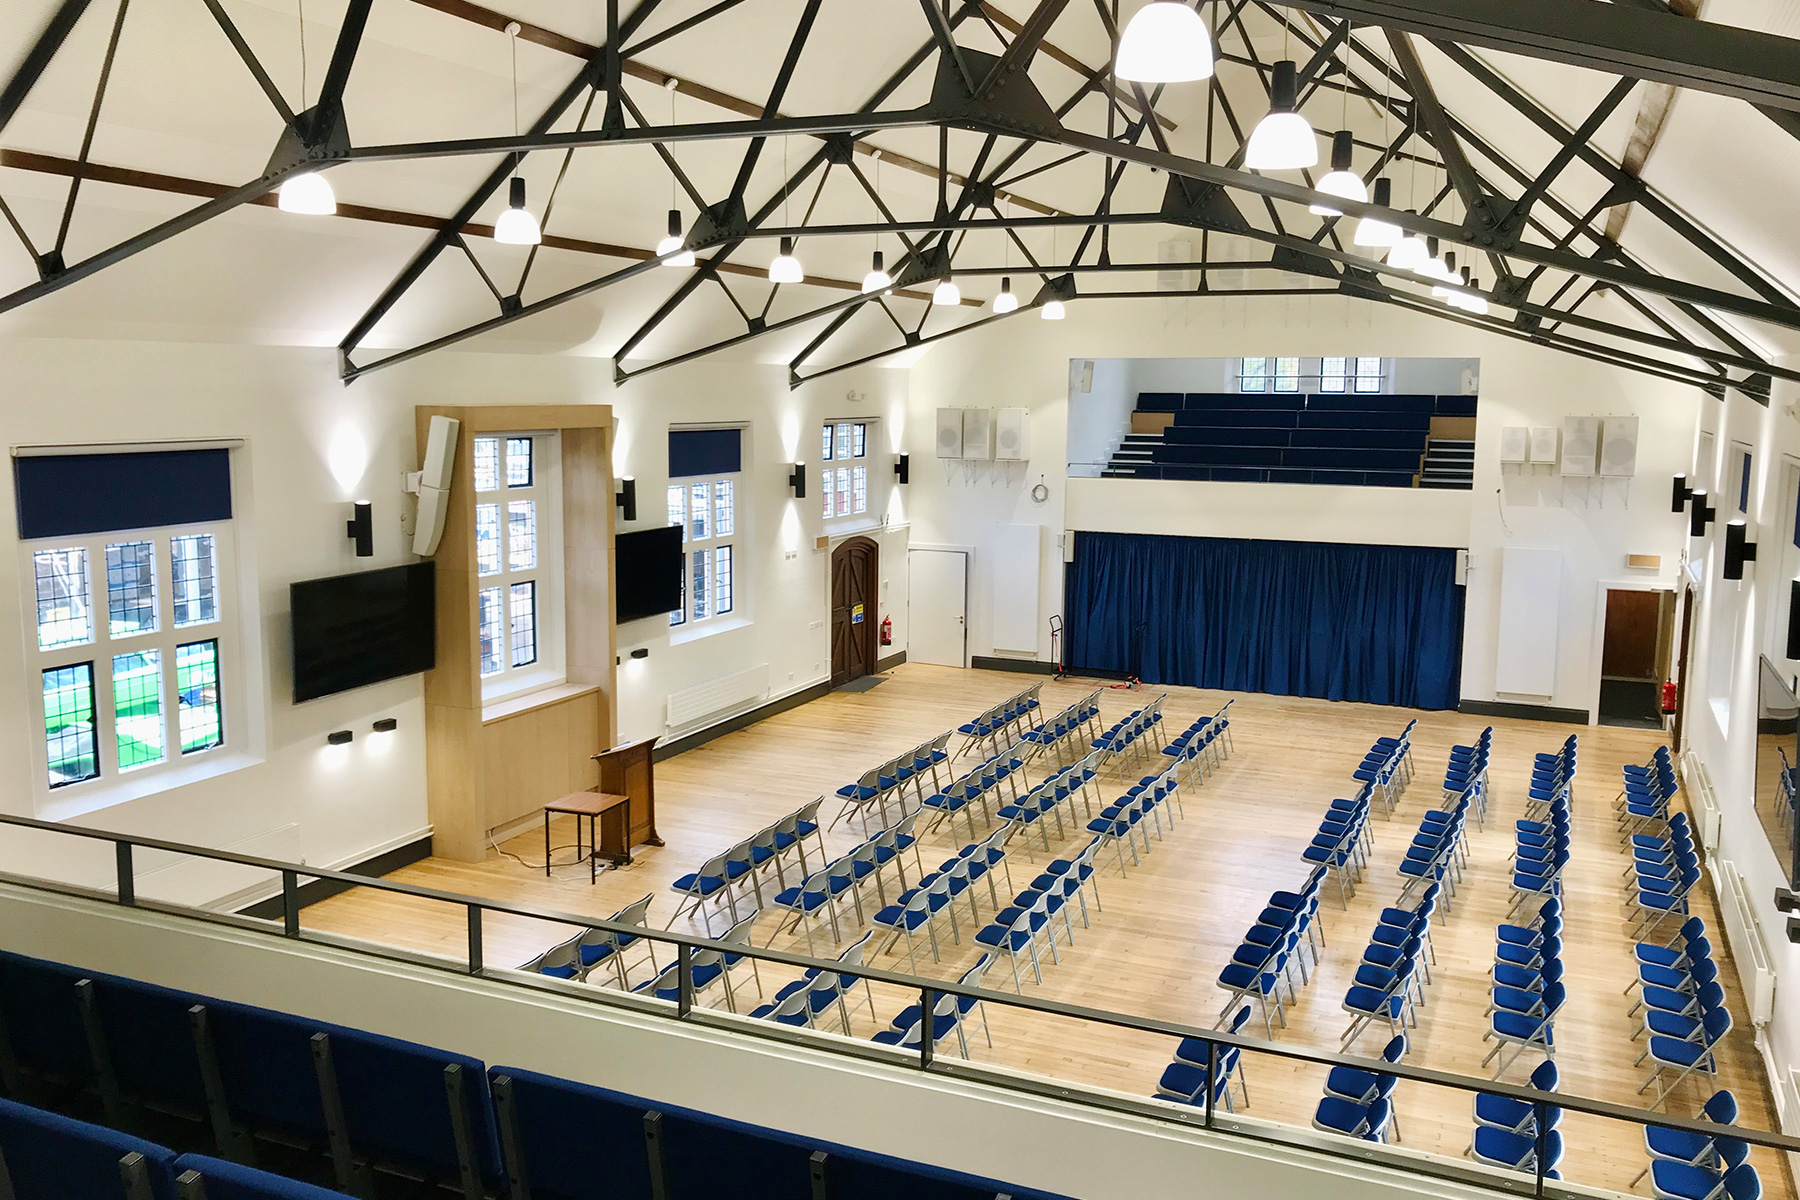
x=290 y=410
x=1734 y=622
x=1099 y=418
x=1024 y=363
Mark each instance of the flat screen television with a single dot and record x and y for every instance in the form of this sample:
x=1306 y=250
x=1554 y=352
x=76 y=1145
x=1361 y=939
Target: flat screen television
x=352 y=630
x=647 y=565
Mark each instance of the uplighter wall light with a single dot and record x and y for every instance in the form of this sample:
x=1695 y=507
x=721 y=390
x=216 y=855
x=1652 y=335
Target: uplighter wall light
x=1738 y=549
x=797 y=480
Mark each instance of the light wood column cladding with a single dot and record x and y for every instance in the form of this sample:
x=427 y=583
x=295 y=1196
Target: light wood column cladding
x=489 y=766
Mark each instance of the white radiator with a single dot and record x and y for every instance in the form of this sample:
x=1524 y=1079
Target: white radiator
x=1756 y=971
x=1701 y=799
x=718 y=697
x=208 y=883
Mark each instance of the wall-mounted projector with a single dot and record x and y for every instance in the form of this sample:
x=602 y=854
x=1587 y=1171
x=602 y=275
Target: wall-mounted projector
x=432 y=484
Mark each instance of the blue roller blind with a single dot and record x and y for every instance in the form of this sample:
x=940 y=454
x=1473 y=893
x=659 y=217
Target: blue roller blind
x=705 y=452
x=63 y=495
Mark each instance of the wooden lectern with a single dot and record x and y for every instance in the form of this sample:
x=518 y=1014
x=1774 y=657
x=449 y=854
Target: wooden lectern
x=628 y=771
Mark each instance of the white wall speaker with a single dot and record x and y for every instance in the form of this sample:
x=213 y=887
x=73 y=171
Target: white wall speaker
x=1581 y=445
x=1462 y=568
x=1618 y=447
x=1542 y=449
x=1515 y=444
x=978 y=433
x=434 y=484
x=1012 y=434
x=949 y=432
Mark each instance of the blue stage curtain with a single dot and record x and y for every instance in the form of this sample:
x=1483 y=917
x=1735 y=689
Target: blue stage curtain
x=1381 y=624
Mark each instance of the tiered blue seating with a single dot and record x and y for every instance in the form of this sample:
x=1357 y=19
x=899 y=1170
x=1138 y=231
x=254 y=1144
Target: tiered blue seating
x=1272 y=950
x=525 y=1134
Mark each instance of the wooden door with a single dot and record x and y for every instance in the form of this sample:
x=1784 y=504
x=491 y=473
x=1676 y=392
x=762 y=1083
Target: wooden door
x=1633 y=628
x=853 y=574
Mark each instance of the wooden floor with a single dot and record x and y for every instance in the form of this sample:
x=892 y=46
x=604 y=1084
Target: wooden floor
x=1171 y=923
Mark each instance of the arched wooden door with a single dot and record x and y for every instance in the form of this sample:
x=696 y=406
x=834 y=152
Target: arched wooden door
x=853 y=575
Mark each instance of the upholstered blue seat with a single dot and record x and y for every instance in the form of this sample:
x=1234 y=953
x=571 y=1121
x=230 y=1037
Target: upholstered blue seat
x=49 y=1157
x=230 y=1181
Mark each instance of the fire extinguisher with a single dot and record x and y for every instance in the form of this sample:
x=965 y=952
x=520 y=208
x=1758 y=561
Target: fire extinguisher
x=1668 y=696
x=887 y=631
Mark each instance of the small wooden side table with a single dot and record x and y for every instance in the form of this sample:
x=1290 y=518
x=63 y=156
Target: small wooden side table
x=593 y=806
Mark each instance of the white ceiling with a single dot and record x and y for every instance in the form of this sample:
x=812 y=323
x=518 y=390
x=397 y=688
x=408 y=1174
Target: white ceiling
x=180 y=103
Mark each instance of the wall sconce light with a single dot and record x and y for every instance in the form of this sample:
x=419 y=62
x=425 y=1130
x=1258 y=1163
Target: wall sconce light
x=641 y=652
x=342 y=737
x=797 y=480
x=903 y=469
x=627 y=498
x=386 y=725
x=1738 y=550
x=1701 y=515
x=1793 y=641
x=361 y=529
x=1682 y=494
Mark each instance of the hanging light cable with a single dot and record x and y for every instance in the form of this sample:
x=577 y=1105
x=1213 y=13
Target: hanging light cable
x=306 y=192
x=1341 y=181
x=516 y=226
x=674 y=246
x=1164 y=42
x=784 y=267
x=1374 y=232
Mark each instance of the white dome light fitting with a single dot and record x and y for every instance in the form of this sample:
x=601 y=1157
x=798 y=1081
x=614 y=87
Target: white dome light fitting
x=1052 y=310
x=1410 y=253
x=877 y=278
x=785 y=268
x=308 y=193
x=1165 y=42
x=516 y=226
x=1342 y=181
x=1283 y=140
x=1373 y=231
x=946 y=293
x=1005 y=302
x=672 y=245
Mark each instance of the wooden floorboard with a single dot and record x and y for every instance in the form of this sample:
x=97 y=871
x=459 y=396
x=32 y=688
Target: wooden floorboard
x=1170 y=923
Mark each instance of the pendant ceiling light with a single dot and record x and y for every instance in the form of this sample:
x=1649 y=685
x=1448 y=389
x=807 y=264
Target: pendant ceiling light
x=1473 y=301
x=1283 y=140
x=308 y=193
x=1165 y=42
x=1052 y=310
x=1409 y=253
x=516 y=226
x=877 y=278
x=1373 y=231
x=1342 y=181
x=672 y=245
x=1005 y=302
x=946 y=293
x=785 y=268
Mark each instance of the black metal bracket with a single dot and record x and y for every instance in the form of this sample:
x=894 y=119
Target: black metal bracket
x=655 y=1156
x=99 y=1054
x=506 y=1109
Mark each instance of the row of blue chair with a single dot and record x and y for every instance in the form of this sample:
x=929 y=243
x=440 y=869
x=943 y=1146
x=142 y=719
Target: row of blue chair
x=1435 y=857
x=978 y=784
x=1643 y=802
x=1121 y=820
x=1517 y=1134
x=1205 y=744
x=423 y=1117
x=1003 y=723
x=1059 y=789
x=1015 y=929
x=887 y=781
x=1544 y=838
x=1387 y=768
x=1681 y=997
x=1129 y=740
x=818 y=898
x=593 y=948
x=1525 y=954
x=1665 y=862
x=806 y=1000
x=1466 y=770
x=1198 y=1062
x=46 y=1156
x=1075 y=726
x=1359 y=1103
x=917 y=908
x=1389 y=984
x=1275 y=946
x=950 y=1013
x=1343 y=844
x=1701 y=1166
x=719 y=879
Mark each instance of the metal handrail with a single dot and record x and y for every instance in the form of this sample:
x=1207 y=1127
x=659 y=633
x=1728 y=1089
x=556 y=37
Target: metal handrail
x=929 y=990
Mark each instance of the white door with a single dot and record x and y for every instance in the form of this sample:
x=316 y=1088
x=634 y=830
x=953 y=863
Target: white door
x=937 y=605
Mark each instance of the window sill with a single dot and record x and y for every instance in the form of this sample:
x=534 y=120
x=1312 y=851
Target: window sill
x=680 y=636
x=512 y=706
x=78 y=800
